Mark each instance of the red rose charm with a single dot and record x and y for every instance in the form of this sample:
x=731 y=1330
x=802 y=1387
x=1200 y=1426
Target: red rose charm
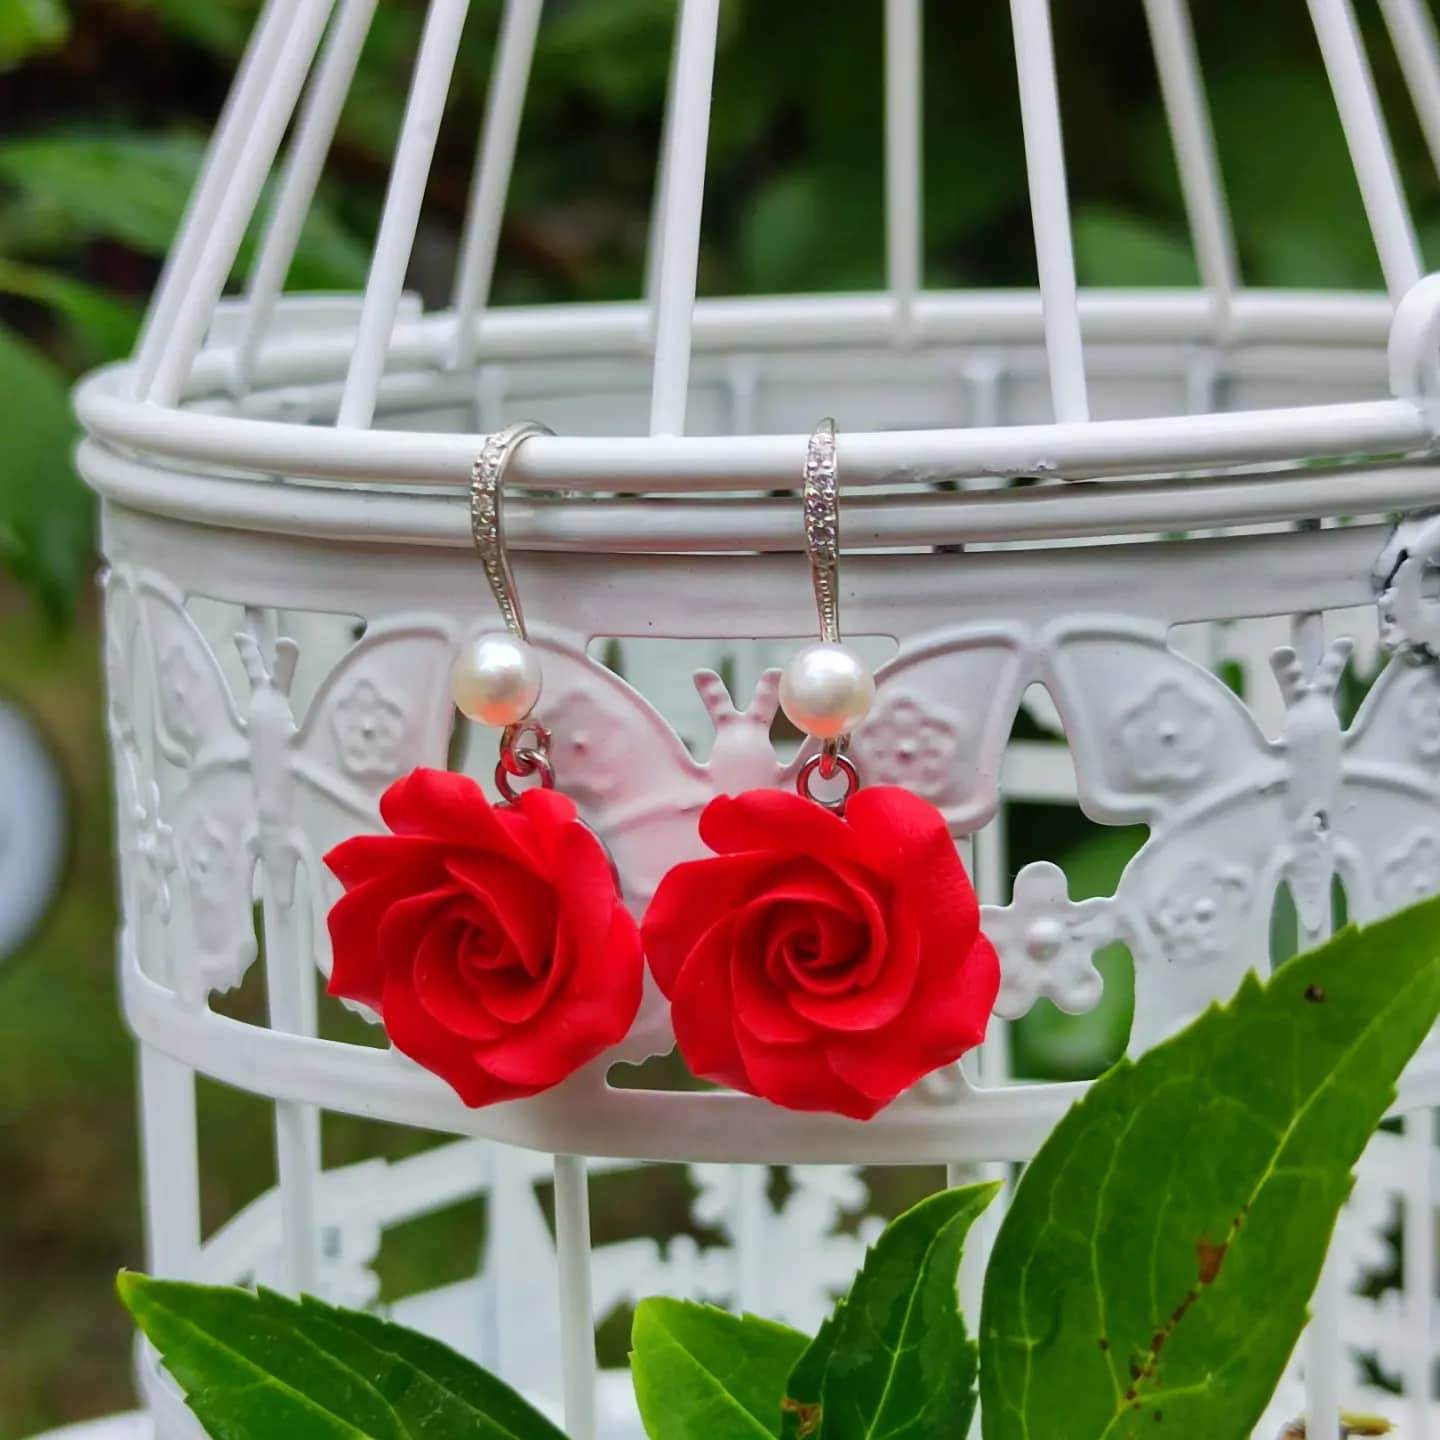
x=491 y=939
x=822 y=963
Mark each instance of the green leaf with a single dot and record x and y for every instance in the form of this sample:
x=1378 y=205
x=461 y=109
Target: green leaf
x=46 y=513
x=133 y=188
x=220 y=26
x=1114 y=247
x=107 y=326
x=704 y=1374
x=28 y=26
x=804 y=1389
x=897 y=1362
x=1162 y=1247
x=255 y=1366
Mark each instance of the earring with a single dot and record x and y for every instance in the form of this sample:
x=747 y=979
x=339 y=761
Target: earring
x=492 y=940
x=828 y=954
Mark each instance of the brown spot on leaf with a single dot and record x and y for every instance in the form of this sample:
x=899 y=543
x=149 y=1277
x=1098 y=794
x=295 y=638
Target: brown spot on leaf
x=1210 y=1258
x=808 y=1415
x=1315 y=994
x=1104 y=1343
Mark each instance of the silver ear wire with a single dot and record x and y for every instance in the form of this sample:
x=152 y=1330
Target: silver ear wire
x=826 y=690
x=487 y=516
x=496 y=679
x=822 y=527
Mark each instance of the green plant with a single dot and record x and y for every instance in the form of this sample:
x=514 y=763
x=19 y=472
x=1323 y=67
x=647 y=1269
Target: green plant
x=1154 y=1266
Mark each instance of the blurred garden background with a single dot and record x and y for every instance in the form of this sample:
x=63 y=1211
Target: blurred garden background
x=104 y=109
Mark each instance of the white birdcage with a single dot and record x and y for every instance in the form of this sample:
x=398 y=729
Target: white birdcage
x=298 y=467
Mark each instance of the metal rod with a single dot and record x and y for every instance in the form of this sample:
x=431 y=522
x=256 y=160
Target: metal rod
x=1412 y=30
x=1370 y=150
x=235 y=122
x=290 y=992
x=683 y=200
x=1050 y=207
x=300 y=176
x=577 y=1323
x=904 y=202
x=659 y=203
x=1419 y=1278
x=172 y=1169
x=504 y=105
x=1188 y=114
x=413 y=154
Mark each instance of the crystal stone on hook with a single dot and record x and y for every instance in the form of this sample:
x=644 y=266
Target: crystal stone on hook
x=290 y=581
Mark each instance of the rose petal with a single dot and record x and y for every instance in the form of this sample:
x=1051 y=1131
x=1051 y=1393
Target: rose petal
x=702 y=1012
x=575 y=1028
x=796 y=1077
x=763 y=1009
x=874 y=1005
x=908 y=842
x=415 y=1033
x=364 y=857
x=948 y=1019
x=440 y=987
x=688 y=902
x=588 y=901
x=776 y=823
x=357 y=972
x=523 y=905
x=446 y=806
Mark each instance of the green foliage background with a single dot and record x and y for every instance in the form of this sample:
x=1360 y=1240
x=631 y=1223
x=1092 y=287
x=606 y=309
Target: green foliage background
x=103 y=108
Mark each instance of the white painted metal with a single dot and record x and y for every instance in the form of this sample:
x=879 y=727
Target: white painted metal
x=413 y=153
x=1186 y=109
x=300 y=176
x=904 y=208
x=1374 y=160
x=1050 y=207
x=177 y=343
x=577 y=1332
x=493 y=163
x=1412 y=28
x=270 y=465
x=683 y=194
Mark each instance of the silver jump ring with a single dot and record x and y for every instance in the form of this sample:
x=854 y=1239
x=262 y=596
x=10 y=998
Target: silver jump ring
x=534 y=762
x=487 y=520
x=524 y=747
x=822 y=527
x=839 y=762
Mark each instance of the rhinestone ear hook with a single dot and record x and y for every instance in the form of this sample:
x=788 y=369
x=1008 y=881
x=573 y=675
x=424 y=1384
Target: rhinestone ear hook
x=826 y=690
x=496 y=678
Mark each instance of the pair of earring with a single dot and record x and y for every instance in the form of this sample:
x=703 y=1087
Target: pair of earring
x=824 y=956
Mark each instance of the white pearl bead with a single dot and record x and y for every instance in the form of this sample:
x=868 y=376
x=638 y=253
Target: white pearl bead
x=496 y=680
x=826 y=690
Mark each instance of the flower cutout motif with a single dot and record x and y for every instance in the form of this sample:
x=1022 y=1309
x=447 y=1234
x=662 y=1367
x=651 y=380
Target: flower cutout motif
x=178 y=678
x=1166 y=738
x=1198 y=917
x=369 y=729
x=1411 y=872
x=1046 y=942
x=905 y=744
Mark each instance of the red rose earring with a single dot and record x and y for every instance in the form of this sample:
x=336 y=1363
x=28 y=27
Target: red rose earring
x=492 y=940
x=829 y=953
